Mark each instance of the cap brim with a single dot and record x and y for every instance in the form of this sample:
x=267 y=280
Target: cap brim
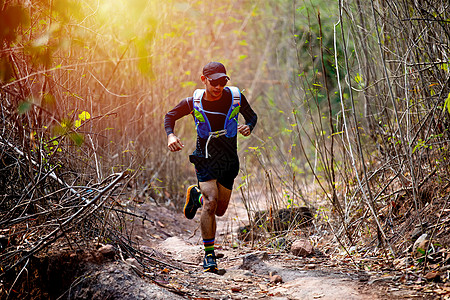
x=218 y=75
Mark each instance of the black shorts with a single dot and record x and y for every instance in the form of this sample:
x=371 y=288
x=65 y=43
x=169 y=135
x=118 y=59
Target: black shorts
x=223 y=170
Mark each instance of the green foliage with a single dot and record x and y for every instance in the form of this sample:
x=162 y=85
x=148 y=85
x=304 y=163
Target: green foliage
x=24 y=107
x=49 y=102
x=77 y=138
x=447 y=103
x=68 y=128
x=309 y=41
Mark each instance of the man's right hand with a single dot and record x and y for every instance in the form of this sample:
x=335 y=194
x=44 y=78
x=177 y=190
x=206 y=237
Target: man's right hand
x=174 y=143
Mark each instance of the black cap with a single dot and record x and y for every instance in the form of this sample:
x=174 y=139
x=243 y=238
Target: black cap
x=215 y=70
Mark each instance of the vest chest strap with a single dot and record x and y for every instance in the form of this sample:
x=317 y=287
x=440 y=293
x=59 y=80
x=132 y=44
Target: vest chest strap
x=214 y=134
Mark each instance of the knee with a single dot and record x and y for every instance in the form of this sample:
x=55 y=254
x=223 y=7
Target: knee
x=210 y=206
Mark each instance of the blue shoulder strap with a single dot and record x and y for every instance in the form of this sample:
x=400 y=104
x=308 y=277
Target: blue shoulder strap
x=236 y=93
x=198 y=95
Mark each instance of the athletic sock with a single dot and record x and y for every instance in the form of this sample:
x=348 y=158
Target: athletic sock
x=200 y=200
x=209 y=245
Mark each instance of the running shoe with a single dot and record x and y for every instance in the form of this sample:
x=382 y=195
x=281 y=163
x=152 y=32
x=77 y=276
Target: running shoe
x=192 y=201
x=209 y=263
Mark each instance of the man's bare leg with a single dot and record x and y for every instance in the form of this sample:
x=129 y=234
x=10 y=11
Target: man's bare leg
x=215 y=203
x=223 y=200
x=210 y=194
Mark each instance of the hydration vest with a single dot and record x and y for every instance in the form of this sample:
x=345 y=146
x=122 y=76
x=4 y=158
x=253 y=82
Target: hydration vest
x=231 y=118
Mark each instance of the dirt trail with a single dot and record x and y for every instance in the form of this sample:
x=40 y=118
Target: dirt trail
x=249 y=278
x=247 y=271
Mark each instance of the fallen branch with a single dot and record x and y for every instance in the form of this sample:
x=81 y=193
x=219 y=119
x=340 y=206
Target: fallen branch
x=58 y=232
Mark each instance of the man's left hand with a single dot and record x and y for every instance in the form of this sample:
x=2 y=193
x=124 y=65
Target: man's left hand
x=244 y=130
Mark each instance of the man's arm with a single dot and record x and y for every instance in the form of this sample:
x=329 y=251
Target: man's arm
x=249 y=115
x=179 y=111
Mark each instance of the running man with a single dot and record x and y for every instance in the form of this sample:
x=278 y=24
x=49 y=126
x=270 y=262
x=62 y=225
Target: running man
x=215 y=110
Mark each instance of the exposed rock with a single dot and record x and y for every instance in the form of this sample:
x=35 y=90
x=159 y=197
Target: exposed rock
x=255 y=262
x=420 y=245
x=433 y=275
x=417 y=232
x=418 y=241
x=93 y=257
x=182 y=251
x=276 y=279
x=135 y=264
x=284 y=219
x=262 y=255
x=236 y=289
x=302 y=247
x=118 y=281
x=107 y=251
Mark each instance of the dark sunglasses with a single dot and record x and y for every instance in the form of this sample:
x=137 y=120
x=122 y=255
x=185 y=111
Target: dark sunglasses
x=222 y=81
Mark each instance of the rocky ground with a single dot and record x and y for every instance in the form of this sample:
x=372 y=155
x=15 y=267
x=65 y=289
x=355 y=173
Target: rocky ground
x=248 y=270
x=307 y=264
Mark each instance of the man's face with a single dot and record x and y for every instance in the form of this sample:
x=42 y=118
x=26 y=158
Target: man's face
x=214 y=88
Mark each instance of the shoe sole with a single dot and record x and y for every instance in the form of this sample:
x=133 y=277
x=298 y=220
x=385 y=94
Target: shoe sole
x=188 y=207
x=211 y=270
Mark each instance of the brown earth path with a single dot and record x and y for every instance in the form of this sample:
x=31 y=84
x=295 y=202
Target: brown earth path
x=247 y=269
